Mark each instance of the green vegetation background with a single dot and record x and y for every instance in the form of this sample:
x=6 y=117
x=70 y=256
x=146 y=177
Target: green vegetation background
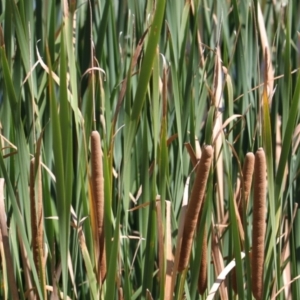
x=156 y=79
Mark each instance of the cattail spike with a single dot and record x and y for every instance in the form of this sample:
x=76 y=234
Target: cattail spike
x=98 y=195
x=194 y=206
x=248 y=172
x=247 y=178
x=259 y=225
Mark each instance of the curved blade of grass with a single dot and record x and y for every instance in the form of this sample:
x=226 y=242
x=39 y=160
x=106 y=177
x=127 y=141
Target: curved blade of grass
x=221 y=277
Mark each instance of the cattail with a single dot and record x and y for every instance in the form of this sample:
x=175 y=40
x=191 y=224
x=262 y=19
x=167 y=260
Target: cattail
x=247 y=177
x=196 y=200
x=37 y=226
x=98 y=199
x=242 y=200
x=259 y=225
x=202 y=279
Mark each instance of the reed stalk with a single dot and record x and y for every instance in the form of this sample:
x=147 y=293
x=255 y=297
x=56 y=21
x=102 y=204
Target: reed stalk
x=202 y=279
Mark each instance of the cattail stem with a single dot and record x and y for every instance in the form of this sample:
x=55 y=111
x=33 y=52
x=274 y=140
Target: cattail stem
x=98 y=200
x=196 y=200
x=202 y=279
x=37 y=225
x=259 y=225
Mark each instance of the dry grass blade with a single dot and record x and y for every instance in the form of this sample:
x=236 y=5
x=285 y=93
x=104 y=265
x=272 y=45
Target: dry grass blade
x=259 y=225
x=167 y=237
x=288 y=284
x=98 y=201
x=222 y=276
x=8 y=258
x=218 y=135
x=194 y=206
x=169 y=253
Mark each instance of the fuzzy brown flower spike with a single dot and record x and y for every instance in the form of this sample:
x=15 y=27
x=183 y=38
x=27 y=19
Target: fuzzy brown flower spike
x=259 y=224
x=98 y=197
x=194 y=207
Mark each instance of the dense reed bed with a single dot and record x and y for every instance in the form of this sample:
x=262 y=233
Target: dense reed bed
x=149 y=149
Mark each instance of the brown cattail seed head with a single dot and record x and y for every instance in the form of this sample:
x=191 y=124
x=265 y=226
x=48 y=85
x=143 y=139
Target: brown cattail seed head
x=98 y=195
x=248 y=169
x=259 y=225
x=193 y=210
x=248 y=172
